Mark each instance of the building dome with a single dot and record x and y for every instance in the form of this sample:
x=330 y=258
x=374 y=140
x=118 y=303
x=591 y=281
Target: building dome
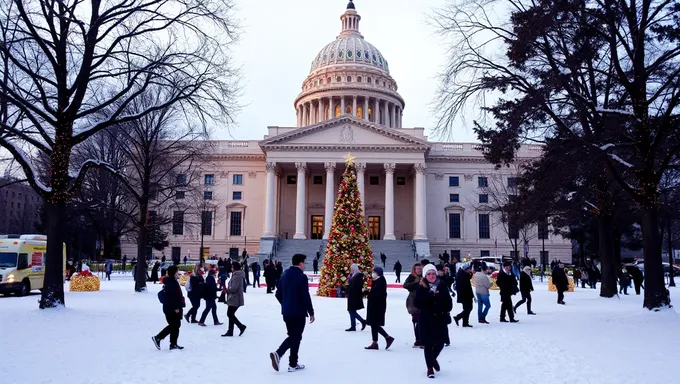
x=349 y=76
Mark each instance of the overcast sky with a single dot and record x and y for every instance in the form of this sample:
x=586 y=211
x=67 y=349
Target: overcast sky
x=281 y=37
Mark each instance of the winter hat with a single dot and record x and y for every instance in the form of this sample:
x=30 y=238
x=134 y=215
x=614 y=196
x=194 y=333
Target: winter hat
x=378 y=271
x=354 y=269
x=527 y=269
x=466 y=266
x=429 y=268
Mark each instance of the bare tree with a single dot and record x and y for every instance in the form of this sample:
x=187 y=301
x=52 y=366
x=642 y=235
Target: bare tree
x=71 y=60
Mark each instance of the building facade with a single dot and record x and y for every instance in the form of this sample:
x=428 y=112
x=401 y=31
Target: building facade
x=427 y=196
x=19 y=207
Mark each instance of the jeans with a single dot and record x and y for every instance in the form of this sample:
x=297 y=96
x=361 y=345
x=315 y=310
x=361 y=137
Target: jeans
x=174 y=322
x=256 y=279
x=353 y=317
x=231 y=314
x=375 y=330
x=295 y=325
x=195 y=305
x=210 y=305
x=483 y=301
x=526 y=298
x=431 y=352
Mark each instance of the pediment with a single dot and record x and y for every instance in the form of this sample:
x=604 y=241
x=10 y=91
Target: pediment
x=345 y=131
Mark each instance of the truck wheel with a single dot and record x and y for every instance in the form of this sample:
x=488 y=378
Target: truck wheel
x=25 y=288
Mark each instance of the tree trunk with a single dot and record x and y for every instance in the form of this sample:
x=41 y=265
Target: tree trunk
x=140 y=273
x=53 y=286
x=656 y=295
x=671 y=278
x=608 y=287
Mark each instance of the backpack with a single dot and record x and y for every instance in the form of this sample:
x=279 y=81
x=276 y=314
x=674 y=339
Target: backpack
x=161 y=295
x=187 y=286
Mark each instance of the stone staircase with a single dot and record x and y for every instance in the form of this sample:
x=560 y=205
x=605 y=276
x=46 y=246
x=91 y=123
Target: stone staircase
x=288 y=247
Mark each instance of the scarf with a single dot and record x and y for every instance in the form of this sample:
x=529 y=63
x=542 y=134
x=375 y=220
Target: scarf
x=433 y=286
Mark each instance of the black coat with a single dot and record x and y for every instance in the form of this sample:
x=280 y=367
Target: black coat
x=507 y=284
x=355 y=293
x=315 y=264
x=196 y=282
x=377 y=302
x=525 y=283
x=279 y=270
x=463 y=287
x=174 y=299
x=434 y=308
x=559 y=279
x=636 y=274
x=269 y=271
x=397 y=267
x=209 y=288
x=293 y=294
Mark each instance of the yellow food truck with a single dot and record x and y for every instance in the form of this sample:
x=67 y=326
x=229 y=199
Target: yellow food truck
x=22 y=262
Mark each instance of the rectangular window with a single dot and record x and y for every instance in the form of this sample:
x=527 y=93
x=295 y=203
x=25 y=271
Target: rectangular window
x=181 y=179
x=514 y=255
x=291 y=179
x=317 y=180
x=401 y=180
x=543 y=230
x=455 y=254
x=483 y=198
x=179 y=195
x=235 y=224
x=454 y=225
x=178 y=223
x=513 y=229
x=238 y=179
x=484 y=253
x=207 y=195
x=374 y=180
x=512 y=182
x=484 y=228
x=206 y=223
x=454 y=181
x=236 y=195
x=454 y=198
x=482 y=182
x=209 y=179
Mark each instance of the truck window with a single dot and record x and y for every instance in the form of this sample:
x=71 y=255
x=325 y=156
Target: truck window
x=23 y=261
x=8 y=259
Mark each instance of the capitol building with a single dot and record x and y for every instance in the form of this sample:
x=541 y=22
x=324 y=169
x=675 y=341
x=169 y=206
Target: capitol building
x=275 y=196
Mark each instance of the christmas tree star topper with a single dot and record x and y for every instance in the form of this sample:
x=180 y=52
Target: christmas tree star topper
x=349 y=159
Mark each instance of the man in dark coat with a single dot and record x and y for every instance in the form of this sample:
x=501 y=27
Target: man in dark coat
x=255 y=267
x=383 y=259
x=397 y=271
x=172 y=308
x=124 y=263
x=195 y=293
x=376 y=309
x=279 y=272
x=526 y=286
x=269 y=275
x=638 y=277
x=507 y=284
x=464 y=294
x=559 y=279
x=293 y=294
x=315 y=266
x=355 y=298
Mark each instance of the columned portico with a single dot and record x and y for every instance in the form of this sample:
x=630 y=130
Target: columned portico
x=269 y=202
x=389 y=201
x=301 y=201
x=420 y=203
x=330 y=199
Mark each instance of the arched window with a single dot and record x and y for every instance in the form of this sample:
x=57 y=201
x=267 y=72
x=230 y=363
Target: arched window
x=348 y=110
x=349 y=79
x=328 y=80
x=360 y=112
x=337 y=111
x=358 y=79
x=338 y=79
x=369 y=80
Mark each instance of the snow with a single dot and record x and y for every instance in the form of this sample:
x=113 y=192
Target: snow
x=97 y=162
x=104 y=337
x=607 y=146
x=616 y=111
x=620 y=160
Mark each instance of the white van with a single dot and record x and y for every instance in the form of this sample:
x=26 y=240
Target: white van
x=22 y=262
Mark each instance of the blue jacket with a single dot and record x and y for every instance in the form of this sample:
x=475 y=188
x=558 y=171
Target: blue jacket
x=293 y=294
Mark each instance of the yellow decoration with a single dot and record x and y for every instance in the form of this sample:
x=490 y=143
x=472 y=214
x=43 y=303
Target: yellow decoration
x=553 y=288
x=494 y=287
x=84 y=283
x=349 y=159
x=183 y=279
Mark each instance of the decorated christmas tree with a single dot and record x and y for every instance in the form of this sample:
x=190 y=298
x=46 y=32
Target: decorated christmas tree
x=348 y=237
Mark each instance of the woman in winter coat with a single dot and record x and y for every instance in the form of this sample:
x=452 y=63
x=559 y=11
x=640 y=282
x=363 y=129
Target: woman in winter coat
x=355 y=298
x=172 y=308
x=377 y=307
x=434 y=303
x=525 y=288
x=464 y=294
x=154 y=272
x=235 y=299
x=411 y=284
x=210 y=296
x=195 y=293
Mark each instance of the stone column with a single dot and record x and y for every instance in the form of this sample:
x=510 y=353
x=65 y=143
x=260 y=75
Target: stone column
x=376 y=113
x=330 y=199
x=315 y=113
x=331 y=109
x=301 y=202
x=365 y=112
x=361 y=168
x=305 y=115
x=270 y=200
x=393 y=116
x=342 y=105
x=354 y=106
x=297 y=114
x=389 y=201
x=421 y=208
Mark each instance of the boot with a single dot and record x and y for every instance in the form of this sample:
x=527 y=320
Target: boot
x=389 y=341
x=436 y=366
x=187 y=318
x=430 y=373
x=350 y=329
x=363 y=325
x=241 y=330
x=374 y=345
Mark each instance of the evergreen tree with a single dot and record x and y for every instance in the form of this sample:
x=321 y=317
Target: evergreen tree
x=348 y=237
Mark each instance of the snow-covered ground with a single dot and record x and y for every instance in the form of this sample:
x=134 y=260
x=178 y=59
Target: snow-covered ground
x=104 y=337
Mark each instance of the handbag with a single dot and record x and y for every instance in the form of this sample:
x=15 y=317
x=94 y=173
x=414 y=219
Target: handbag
x=223 y=297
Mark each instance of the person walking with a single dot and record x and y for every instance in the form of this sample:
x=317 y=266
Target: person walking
x=464 y=295
x=434 y=305
x=383 y=258
x=584 y=277
x=194 y=289
x=255 y=267
x=377 y=307
x=560 y=281
x=397 y=271
x=245 y=269
x=279 y=272
x=124 y=263
x=355 y=298
x=154 y=272
x=172 y=308
x=269 y=275
x=315 y=266
x=526 y=286
x=109 y=269
x=296 y=304
x=210 y=297
x=576 y=275
x=482 y=286
x=508 y=288
x=411 y=284
x=235 y=299
x=637 y=276
x=624 y=281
